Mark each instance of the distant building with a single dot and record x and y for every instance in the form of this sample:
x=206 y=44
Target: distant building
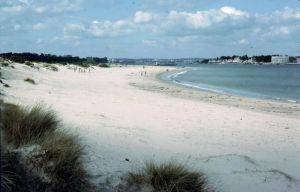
x=298 y=60
x=282 y=59
x=292 y=60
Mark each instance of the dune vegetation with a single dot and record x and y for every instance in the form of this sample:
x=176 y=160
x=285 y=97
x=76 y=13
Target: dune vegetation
x=38 y=155
x=29 y=80
x=168 y=177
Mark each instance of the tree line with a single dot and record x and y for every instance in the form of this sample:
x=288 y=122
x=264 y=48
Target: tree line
x=259 y=58
x=49 y=58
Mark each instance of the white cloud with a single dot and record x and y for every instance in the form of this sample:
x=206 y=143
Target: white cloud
x=12 y=9
x=284 y=30
x=143 y=17
x=41 y=9
x=17 y=27
x=233 y=11
x=243 y=42
x=39 y=26
x=67 y=5
x=73 y=27
x=287 y=14
x=204 y=19
x=172 y=23
x=150 y=43
x=26 y=2
x=187 y=39
x=109 y=28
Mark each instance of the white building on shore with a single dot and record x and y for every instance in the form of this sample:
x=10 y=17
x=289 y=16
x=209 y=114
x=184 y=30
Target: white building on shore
x=282 y=59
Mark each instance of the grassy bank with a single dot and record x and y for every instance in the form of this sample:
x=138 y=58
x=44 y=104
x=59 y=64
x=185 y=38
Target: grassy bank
x=37 y=154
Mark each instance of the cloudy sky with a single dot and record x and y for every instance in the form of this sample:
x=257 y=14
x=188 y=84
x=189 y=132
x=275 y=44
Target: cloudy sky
x=150 y=28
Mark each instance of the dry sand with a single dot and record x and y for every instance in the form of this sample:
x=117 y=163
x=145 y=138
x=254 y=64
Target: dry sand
x=241 y=144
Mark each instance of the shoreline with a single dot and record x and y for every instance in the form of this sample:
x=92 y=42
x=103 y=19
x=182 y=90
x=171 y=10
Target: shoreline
x=173 y=75
x=269 y=106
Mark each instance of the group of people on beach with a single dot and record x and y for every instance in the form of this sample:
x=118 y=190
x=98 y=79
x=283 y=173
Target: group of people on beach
x=143 y=73
x=80 y=70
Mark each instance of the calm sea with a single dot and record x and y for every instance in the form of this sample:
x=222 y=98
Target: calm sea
x=279 y=82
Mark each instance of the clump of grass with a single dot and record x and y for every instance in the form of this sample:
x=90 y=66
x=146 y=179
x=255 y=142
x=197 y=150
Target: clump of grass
x=51 y=67
x=23 y=125
x=169 y=177
x=28 y=63
x=4 y=64
x=29 y=80
x=6 y=176
x=51 y=160
x=62 y=162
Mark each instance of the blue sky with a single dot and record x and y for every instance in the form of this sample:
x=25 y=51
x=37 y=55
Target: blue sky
x=150 y=28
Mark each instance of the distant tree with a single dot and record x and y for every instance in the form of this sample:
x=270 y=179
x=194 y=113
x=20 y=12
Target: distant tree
x=48 y=58
x=244 y=57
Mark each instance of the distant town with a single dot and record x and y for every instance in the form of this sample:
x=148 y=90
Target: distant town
x=262 y=59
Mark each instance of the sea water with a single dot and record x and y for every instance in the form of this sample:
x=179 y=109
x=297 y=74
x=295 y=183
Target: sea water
x=279 y=82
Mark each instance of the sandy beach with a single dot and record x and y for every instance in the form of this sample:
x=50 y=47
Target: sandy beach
x=241 y=144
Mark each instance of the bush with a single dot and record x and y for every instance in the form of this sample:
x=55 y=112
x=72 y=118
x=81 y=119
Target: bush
x=104 y=65
x=169 y=177
x=28 y=63
x=23 y=125
x=30 y=81
x=4 y=64
x=51 y=67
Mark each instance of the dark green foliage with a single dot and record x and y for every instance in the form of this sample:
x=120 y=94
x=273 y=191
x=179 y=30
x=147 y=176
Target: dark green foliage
x=28 y=63
x=169 y=177
x=23 y=125
x=30 y=81
x=104 y=65
x=4 y=64
x=84 y=64
x=49 y=58
x=51 y=67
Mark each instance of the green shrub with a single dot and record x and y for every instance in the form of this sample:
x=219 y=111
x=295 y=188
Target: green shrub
x=23 y=125
x=30 y=81
x=169 y=177
x=28 y=63
x=4 y=64
x=51 y=67
x=6 y=85
x=104 y=65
